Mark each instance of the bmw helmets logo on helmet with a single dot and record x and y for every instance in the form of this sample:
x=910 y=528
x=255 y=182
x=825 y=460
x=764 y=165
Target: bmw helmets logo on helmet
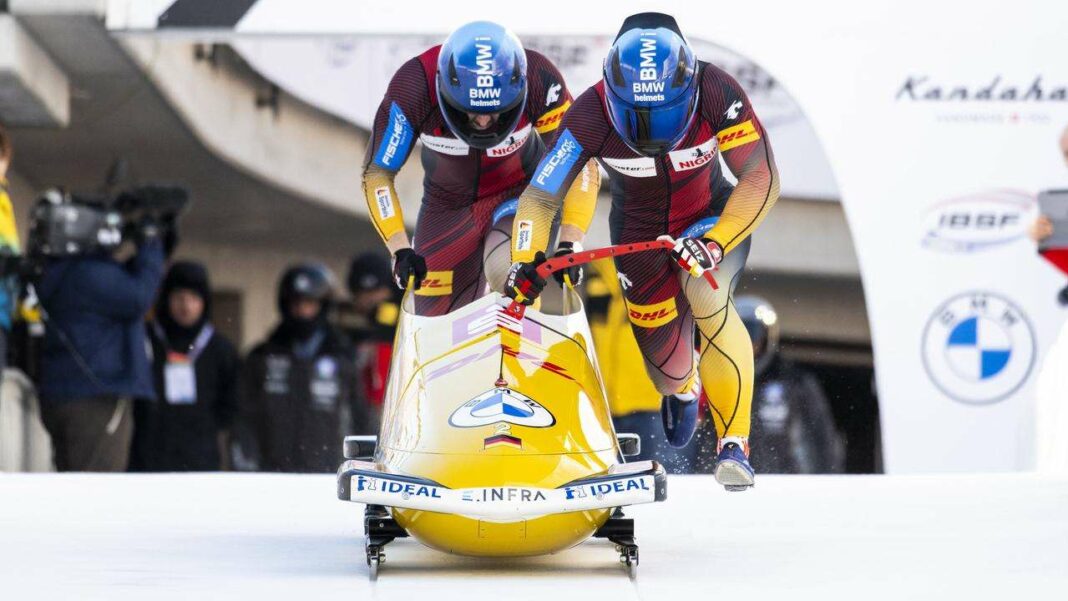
x=978 y=348
x=650 y=84
x=482 y=70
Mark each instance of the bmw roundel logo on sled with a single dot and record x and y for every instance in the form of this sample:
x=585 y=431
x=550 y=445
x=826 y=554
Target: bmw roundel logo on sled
x=501 y=405
x=978 y=348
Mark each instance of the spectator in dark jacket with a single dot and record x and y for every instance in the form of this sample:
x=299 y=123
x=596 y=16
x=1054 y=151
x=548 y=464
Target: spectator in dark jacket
x=302 y=392
x=196 y=378
x=95 y=358
x=376 y=303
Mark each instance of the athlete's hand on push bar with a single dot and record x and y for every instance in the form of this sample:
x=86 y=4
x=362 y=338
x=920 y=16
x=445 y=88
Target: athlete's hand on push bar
x=524 y=282
x=542 y=268
x=694 y=255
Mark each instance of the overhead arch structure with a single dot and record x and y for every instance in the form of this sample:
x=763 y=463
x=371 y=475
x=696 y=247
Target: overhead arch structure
x=940 y=122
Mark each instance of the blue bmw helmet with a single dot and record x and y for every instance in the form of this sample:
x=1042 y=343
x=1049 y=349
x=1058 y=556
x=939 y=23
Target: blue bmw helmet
x=650 y=83
x=482 y=70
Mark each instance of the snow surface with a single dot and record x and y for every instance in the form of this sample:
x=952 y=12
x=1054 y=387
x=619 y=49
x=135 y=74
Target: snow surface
x=245 y=536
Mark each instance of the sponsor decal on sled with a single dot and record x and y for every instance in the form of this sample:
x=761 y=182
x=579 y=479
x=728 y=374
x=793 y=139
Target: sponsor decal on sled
x=602 y=489
x=501 y=405
x=404 y=490
x=504 y=493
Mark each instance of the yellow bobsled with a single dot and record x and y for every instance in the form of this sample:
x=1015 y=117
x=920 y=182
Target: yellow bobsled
x=496 y=439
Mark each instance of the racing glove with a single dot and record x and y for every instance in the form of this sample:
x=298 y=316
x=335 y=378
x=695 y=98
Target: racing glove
x=574 y=273
x=524 y=284
x=407 y=264
x=695 y=255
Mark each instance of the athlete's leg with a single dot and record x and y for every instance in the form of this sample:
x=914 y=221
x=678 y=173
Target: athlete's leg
x=726 y=363
x=497 y=252
x=660 y=318
x=450 y=240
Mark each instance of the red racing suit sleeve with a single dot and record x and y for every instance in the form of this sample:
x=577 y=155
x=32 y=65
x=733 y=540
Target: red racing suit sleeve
x=744 y=145
x=548 y=100
x=578 y=141
x=404 y=108
x=548 y=97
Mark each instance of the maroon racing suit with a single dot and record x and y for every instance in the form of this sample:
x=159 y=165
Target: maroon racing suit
x=653 y=196
x=465 y=190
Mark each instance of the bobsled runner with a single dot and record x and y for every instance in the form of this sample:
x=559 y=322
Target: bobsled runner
x=496 y=437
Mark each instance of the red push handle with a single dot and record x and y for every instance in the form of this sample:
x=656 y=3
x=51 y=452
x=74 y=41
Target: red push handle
x=587 y=256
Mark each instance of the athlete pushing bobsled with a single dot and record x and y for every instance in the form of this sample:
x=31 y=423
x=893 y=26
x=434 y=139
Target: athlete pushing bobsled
x=485 y=109
x=656 y=122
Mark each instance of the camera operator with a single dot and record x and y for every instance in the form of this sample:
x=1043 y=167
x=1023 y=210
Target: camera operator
x=95 y=361
x=302 y=390
x=9 y=250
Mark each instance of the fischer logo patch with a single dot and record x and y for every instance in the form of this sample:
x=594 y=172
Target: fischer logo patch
x=437 y=283
x=512 y=144
x=384 y=202
x=638 y=167
x=737 y=135
x=554 y=166
x=449 y=146
x=396 y=141
x=524 y=235
x=652 y=316
x=694 y=157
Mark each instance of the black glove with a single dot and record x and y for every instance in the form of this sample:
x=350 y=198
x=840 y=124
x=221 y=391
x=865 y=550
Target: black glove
x=524 y=284
x=574 y=273
x=407 y=264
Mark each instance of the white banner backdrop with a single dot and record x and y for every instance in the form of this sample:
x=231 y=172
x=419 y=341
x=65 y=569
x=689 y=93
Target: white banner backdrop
x=348 y=77
x=941 y=123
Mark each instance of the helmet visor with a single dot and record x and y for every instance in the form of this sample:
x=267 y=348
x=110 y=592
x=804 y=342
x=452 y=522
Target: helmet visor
x=473 y=128
x=651 y=130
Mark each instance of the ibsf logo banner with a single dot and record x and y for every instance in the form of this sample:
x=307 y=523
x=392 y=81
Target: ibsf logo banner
x=978 y=348
x=979 y=221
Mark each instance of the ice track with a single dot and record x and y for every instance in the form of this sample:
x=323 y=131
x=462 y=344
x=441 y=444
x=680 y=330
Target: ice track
x=266 y=537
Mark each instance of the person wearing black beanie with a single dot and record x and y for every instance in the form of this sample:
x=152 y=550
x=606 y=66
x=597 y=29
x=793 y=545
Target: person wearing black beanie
x=196 y=377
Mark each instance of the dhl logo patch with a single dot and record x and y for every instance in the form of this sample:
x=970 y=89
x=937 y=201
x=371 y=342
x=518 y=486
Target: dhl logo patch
x=437 y=283
x=652 y=316
x=737 y=135
x=551 y=120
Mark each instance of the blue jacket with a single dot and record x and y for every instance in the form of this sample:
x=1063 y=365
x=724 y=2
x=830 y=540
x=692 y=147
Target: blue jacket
x=100 y=305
